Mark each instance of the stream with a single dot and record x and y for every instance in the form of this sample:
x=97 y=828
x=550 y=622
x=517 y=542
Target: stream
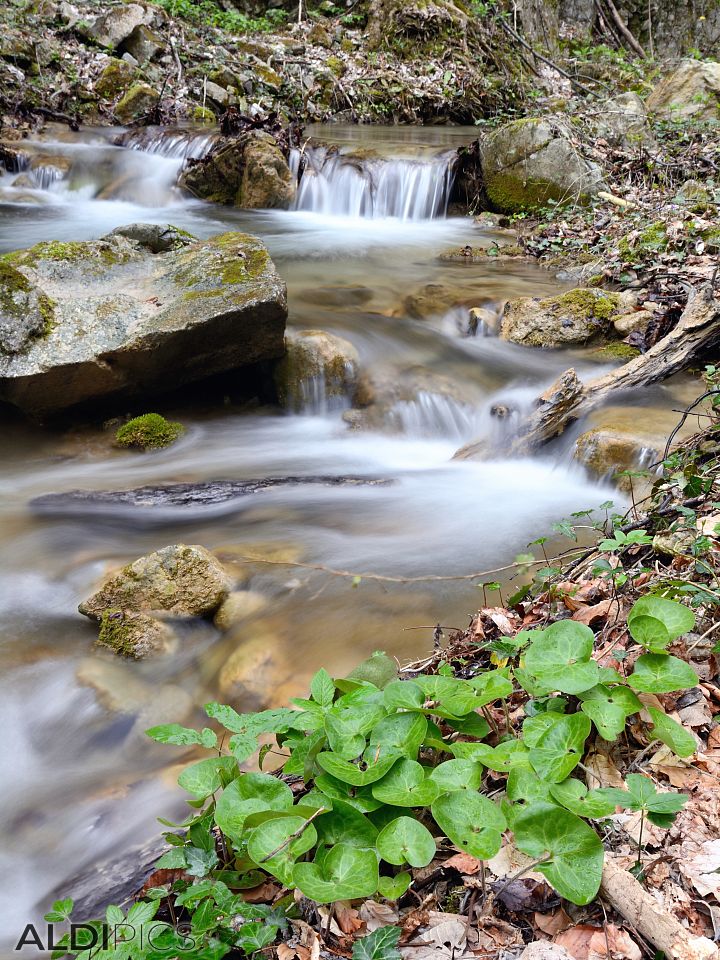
x=81 y=782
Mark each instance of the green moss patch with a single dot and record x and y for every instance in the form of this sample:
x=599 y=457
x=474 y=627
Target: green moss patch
x=151 y=431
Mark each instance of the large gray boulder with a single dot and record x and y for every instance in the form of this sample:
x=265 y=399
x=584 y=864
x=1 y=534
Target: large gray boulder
x=112 y=28
x=693 y=90
x=80 y=322
x=528 y=162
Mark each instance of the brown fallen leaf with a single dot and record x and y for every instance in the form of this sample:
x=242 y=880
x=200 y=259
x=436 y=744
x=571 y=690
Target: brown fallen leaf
x=464 y=863
x=553 y=923
x=348 y=919
x=286 y=952
x=265 y=893
x=587 y=615
x=375 y=915
x=597 y=943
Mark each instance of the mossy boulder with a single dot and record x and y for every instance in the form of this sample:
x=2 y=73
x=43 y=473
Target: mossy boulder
x=111 y=318
x=318 y=370
x=690 y=91
x=527 y=162
x=249 y=171
x=151 y=431
x=134 y=635
x=115 y=79
x=182 y=580
x=140 y=99
x=573 y=318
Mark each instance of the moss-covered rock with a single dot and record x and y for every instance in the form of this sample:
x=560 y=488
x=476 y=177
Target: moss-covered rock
x=318 y=369
x=115 y=79
x=151 y=431
x=146 y=308
x=134 y=635
x=180 y=579
x=572 y=318
x=637 y=245
x=140 y=99
x=527 y=162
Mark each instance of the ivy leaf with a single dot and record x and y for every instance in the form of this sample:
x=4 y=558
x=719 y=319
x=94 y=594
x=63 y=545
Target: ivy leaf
x=266 y=839
x=357 y=775
x=400 y=734
x=661 y=673
x=673 y=734
x=206 y=776
x=392 y=888
x=609 y=708
x=575 y=852
x=381 y=944
x=405 y=840
x=675 y=618
x=199 y=862
x=174 y=859
x=561 y=657
x=183 y=736
x=252 y=937
x=560 y=748
x=471 y=821
x=345 y=873
x=457 y=775
x=250 y=793
x=322 y=688
x=406 y=785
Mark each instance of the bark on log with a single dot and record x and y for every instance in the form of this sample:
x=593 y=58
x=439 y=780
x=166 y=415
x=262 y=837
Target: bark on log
x=697 y=331
x=642 y=911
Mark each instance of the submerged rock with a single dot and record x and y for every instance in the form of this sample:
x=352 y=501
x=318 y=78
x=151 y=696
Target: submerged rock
x=251 y=672
x=238 y=606
x=573 y=318
x=432 y=300
x=109 y=318
x=528 y=162
x=180 y=580
x=250 y=171
x=318 y=368
x=693 y=90
x=606 y=451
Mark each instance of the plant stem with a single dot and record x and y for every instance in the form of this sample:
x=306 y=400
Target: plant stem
x=293 y=836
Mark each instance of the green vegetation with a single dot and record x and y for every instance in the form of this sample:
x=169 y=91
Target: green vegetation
x=210 y=14
x=151 y=431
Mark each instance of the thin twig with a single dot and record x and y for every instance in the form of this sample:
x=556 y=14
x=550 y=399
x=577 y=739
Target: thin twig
x=293 y=836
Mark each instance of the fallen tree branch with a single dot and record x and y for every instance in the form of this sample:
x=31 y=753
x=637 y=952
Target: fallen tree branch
x=643 y=912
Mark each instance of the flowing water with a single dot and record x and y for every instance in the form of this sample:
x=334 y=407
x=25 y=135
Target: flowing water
x=81 y=783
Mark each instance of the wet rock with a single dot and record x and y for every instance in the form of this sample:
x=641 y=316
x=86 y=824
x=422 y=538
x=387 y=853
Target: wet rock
x=173 y=499
x=238 y=606
x=574 y=317
x=673 y=543
x=337 y=296
x=155 y=237
x=134 y=635
x=250 y=673
x=113 y=319
x=120 y=690
x=692 y=90
x=432 y=300
x=26 y=313
x=622 y=121
x=318 y=368
x=111 y=28
x=250 y=171
x=143 y=44
x=180 y=580
x=628 y=323
x=527 y=162
x=605 y=452
x=140 y=99
x=115 y=79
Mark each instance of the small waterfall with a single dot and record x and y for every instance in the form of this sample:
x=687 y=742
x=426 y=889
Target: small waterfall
x=434 y=415
x=175 y=143
x=341 y=184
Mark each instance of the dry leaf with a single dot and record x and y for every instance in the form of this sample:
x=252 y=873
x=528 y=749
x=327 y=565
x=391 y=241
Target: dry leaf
x=375 y=915
x=554 y=923
x=348 y=918
x=592 y=943
x=702 y=868
x=605 y=773
x=587 y=614
x=307 y=938
x=265 y=893
x=509 y=860
x=464 y=863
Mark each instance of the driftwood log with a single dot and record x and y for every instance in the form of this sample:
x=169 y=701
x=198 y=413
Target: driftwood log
x=643 y=913
x=697 y=331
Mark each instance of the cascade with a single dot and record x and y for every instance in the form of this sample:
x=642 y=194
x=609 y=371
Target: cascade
x=342 y=184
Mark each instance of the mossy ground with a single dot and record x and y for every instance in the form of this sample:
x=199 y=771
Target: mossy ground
x=151 y=431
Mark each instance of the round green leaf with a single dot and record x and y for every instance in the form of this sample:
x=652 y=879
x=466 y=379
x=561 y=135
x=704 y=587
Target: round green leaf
x=609 y=708
x=575 y=797
x=206 y=776
x=359 y=775
x=650 y=632
x=345 y=873
x=250 y=793
x=405 y=840
x=457 y=775
x=491 y=686
x=559 y=657
x=575 y=852
x=359 y=797
x=675 y=618
x=392 y=888
x=454 y=697
x=266 y=839
x=559 y=750
x=503 y=757
x=471 y=821
x=661 y=673
x=403 y=695
x=345 y=824
x=406 y=786
x=673 y=734
x=398 y=735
